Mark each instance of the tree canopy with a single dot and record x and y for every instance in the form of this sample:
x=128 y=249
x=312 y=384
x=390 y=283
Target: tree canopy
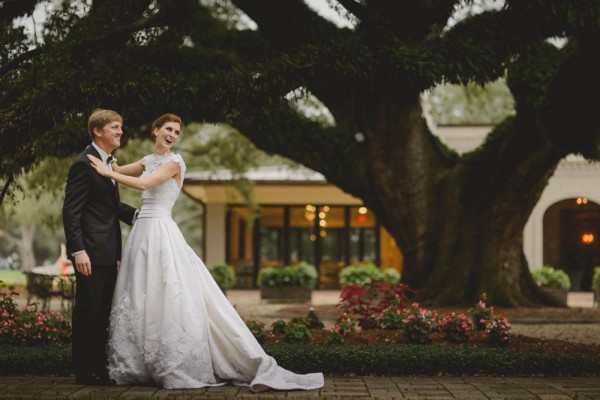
x=144 y=58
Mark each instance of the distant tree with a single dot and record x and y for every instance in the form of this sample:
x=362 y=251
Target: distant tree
x=35 y=213
x=458 y=219
x=470 y=104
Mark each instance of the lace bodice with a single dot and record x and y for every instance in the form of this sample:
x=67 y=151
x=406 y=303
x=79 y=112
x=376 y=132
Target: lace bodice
x=158 y=201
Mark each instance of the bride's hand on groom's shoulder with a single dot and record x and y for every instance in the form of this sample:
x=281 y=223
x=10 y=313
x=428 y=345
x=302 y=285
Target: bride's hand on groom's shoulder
x=98 y=165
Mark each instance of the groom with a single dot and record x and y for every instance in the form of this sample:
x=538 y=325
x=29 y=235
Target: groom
x=91 y=214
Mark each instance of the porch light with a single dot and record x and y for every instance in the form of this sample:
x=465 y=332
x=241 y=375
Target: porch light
x=581 y=200
x=587 y=238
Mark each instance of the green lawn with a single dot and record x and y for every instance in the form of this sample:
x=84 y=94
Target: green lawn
x=12 y=277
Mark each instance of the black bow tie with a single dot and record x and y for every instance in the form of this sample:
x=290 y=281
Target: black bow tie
x=109 y=159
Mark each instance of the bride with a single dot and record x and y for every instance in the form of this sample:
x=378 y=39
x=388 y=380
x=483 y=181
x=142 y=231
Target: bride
x=170 y=323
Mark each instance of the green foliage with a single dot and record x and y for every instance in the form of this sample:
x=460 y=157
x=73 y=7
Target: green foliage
x=297 y=332
x=224 y=275
x=278 y=326
x=596 y=278
x=381 y=359
x=547 y=276
x=54 y=359
x=367 y=273
x=303 y=275
x=451 y=104
x=374 y=359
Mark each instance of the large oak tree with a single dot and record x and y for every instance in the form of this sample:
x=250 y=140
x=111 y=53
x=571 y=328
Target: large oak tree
x=458 y=219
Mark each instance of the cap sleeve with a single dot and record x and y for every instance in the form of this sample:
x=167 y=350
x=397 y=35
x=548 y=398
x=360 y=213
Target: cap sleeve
x=146 y=160
x=179 y=160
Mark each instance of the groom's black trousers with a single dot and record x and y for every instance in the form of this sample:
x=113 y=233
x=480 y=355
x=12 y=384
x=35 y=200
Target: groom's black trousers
x=91 y=314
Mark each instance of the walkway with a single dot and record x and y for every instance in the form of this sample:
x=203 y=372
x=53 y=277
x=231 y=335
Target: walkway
x=335 y=388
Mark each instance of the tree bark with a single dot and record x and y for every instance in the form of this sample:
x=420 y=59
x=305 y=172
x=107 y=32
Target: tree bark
x=24 y=245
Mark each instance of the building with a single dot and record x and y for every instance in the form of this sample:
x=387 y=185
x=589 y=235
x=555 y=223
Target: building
x=301 y=217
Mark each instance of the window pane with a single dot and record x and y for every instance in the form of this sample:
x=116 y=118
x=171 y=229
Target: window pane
x=271 y=236
x=363 y=238
x=302 y=237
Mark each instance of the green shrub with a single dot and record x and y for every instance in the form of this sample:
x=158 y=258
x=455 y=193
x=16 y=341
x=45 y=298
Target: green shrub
x=373 y=359
x=278 y=326
x=391 y=276
x=303 y=275
x=550 y=277
x=409 y=359
x=52 y=359
x=297 y=332
x=367 y=273
x=596 y=278
x=224 y=275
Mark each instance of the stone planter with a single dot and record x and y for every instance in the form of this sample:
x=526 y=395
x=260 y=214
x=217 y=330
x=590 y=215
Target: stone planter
x=285 y=294
x=557 y=294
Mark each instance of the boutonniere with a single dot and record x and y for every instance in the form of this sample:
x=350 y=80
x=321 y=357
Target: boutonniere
x=112 y=160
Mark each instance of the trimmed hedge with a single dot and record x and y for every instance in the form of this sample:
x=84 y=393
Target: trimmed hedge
x=374 y=359
x=51 y=359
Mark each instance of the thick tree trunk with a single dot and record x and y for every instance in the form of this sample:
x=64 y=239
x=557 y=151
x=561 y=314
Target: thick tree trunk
x=458 y=221
x=25 y=247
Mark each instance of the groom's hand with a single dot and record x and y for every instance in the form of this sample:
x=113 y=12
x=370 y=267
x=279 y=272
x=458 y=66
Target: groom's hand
x=83 y=264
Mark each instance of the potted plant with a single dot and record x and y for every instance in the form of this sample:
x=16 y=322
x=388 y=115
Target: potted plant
x=554 y=282
x=367 y=273
x=224 y=275
x=289 y=283
x=596 y=286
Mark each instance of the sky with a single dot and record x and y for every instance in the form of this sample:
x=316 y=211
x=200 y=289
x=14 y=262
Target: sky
x=322 y=7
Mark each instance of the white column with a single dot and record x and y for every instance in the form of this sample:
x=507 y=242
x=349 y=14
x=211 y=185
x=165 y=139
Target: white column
x=215 y=233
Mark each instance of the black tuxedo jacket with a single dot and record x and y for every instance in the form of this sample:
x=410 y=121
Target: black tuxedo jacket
x=91 y=212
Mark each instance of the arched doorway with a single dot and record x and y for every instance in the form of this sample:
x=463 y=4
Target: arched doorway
x=571 y=239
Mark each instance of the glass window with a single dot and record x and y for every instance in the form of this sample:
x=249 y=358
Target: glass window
x=271 y=222
x=363 y=236
x=302 y=236
x=240 y=247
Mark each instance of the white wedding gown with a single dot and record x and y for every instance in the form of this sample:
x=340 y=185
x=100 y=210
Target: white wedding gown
x=170 y=323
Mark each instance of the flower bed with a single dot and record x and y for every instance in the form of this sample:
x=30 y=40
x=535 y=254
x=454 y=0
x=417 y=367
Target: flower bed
x=30 y=325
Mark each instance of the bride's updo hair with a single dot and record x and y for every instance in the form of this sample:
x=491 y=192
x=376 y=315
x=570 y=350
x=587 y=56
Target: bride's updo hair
x=163 y=119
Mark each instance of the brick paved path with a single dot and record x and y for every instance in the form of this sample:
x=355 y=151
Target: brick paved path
x=335 y=388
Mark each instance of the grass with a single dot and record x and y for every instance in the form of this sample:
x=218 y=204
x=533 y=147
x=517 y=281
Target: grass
x=11 y=276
